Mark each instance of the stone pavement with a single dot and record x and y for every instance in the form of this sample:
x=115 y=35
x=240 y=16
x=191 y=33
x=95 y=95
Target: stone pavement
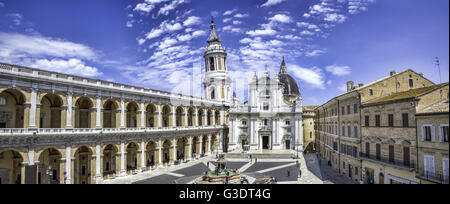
x=285 y=170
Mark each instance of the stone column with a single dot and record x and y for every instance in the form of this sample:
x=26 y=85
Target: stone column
x=122 y=113
x=142 y=115
x=205 y=117
x=32 y=122
x=299 y=135
x=190 y=148
x=222 y=117
x=174 y=118
x=213 y=122
x=209 y=145
x=160 y=153
x=69 y=110
x=99 y=110
x=201 y=145
x=159 y=116
x=123 y=171
x=143 y=164
x=174 y=141
x=196 y=118
x=186 y=122
x=68 y=165
x=98 y=173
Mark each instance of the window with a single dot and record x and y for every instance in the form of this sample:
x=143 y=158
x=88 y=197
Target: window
x=288 y=122
x=211 y=64
x=265 y=122
x=426 y=133
x=405 y=120
x=378 y=151
x=391 y=153
x=266 y=107
x=348 y=110
x=343 y=110
x=355 y=109
x=411 y=83
x=356 y=132
x=244 y=122
x=367 y=122
x=371 y=92
x=391 y=120
x=377 y=121
x=428 y=163
x=443 y=133
x=367 y=149
x=213 y=94
x=349 y=133
x=406 y=156
x=2 y=101
x=310 y=135
x=343 y=131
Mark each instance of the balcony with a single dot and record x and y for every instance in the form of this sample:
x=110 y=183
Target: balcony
x=388 y=161
x=435 y=177
x=60 y=131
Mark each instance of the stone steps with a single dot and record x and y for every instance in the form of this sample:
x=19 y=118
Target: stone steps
x=259 y=156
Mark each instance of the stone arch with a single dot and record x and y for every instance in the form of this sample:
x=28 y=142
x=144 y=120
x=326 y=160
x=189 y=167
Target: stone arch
x=83 y=165
x=166 y=151
x=195 y=146
x=182 y=148
x=111 y=162
x=204 y=143
x=166 y=111
x=132 y=150
x=11 y=162
x=12 y=112
x=190 y=113
x=213 y=145
x=151 y=149
x=111 y=115
x=51 y=111
x=200 y=115
x=179 y=116
x=49 y=171
x=132 y=114
x=151 y=116
x=84 y=114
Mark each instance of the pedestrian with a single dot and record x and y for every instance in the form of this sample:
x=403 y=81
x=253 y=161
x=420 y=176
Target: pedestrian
x=299 y=173
x=276 y=180
x=256 y=160
x=288 y=173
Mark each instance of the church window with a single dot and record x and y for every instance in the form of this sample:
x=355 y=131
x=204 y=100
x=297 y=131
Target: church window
x=213 y=94
x=244 y=122
x=2 y=101
x=211 y=64
x=288 y=122
x=266 y=107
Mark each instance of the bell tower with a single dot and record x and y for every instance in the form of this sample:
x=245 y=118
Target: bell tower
x=217 y=82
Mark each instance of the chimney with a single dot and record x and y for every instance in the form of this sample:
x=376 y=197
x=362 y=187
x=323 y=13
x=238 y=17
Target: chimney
x=393 y=73
x=360 y=84
x=350 y=86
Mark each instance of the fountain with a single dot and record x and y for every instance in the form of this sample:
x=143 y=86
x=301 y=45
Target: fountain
x=221 y=174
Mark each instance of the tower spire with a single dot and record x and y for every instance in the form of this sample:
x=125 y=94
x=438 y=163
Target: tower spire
x=283 y=67
x=213 y=37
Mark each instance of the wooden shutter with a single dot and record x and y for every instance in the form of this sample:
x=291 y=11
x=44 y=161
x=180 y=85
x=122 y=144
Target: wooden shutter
x=441 y=134
x=423 y=133
x=433 y=134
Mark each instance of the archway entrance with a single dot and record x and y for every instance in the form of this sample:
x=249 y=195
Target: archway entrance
x=83 y=157
x=381 y=178
x=181 y=149
x=109 y=160
x=10 y=167
x=49 y=167
x=166 y=151
x=195 y=147
x=151 y=150
x=109 y=114
x=83 y=113
x=132 y=162
x=265 y=142
x=50 y=113
x=12 y=109
x=132 y=115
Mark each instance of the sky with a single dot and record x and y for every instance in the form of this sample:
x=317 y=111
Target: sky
x=159 y=44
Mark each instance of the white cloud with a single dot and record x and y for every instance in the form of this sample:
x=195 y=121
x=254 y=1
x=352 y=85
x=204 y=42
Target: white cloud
x=165 y=10
x=334 y=17
x=192 y=20
x=16 y=18
x=13 y=45
x=314 y=53
x=271 y=3
x=338 y=70
x=312 y=76
x=229 y=12
x=240 y=15
x=281 y=18
x=144 y=7
x=71 y=66
x=2 y=4
x=226 y=20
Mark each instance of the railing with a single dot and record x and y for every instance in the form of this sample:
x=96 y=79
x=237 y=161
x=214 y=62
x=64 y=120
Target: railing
x=390 y=161
x=24 y=131
x=436 y=177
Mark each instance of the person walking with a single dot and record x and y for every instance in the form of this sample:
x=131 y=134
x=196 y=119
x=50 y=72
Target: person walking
x=256 y=160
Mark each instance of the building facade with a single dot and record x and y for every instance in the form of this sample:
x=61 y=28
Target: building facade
x=309 y=134
x=339 y=121
x=59 y=128
x=272 y=118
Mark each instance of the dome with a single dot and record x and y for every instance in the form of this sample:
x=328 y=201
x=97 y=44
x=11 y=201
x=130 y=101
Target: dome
x=290 y=84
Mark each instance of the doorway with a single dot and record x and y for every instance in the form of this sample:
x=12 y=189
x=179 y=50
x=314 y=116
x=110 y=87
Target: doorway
x=288 y=144
x=265 y=142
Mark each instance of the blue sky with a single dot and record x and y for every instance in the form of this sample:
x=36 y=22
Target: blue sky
x=159 y=43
